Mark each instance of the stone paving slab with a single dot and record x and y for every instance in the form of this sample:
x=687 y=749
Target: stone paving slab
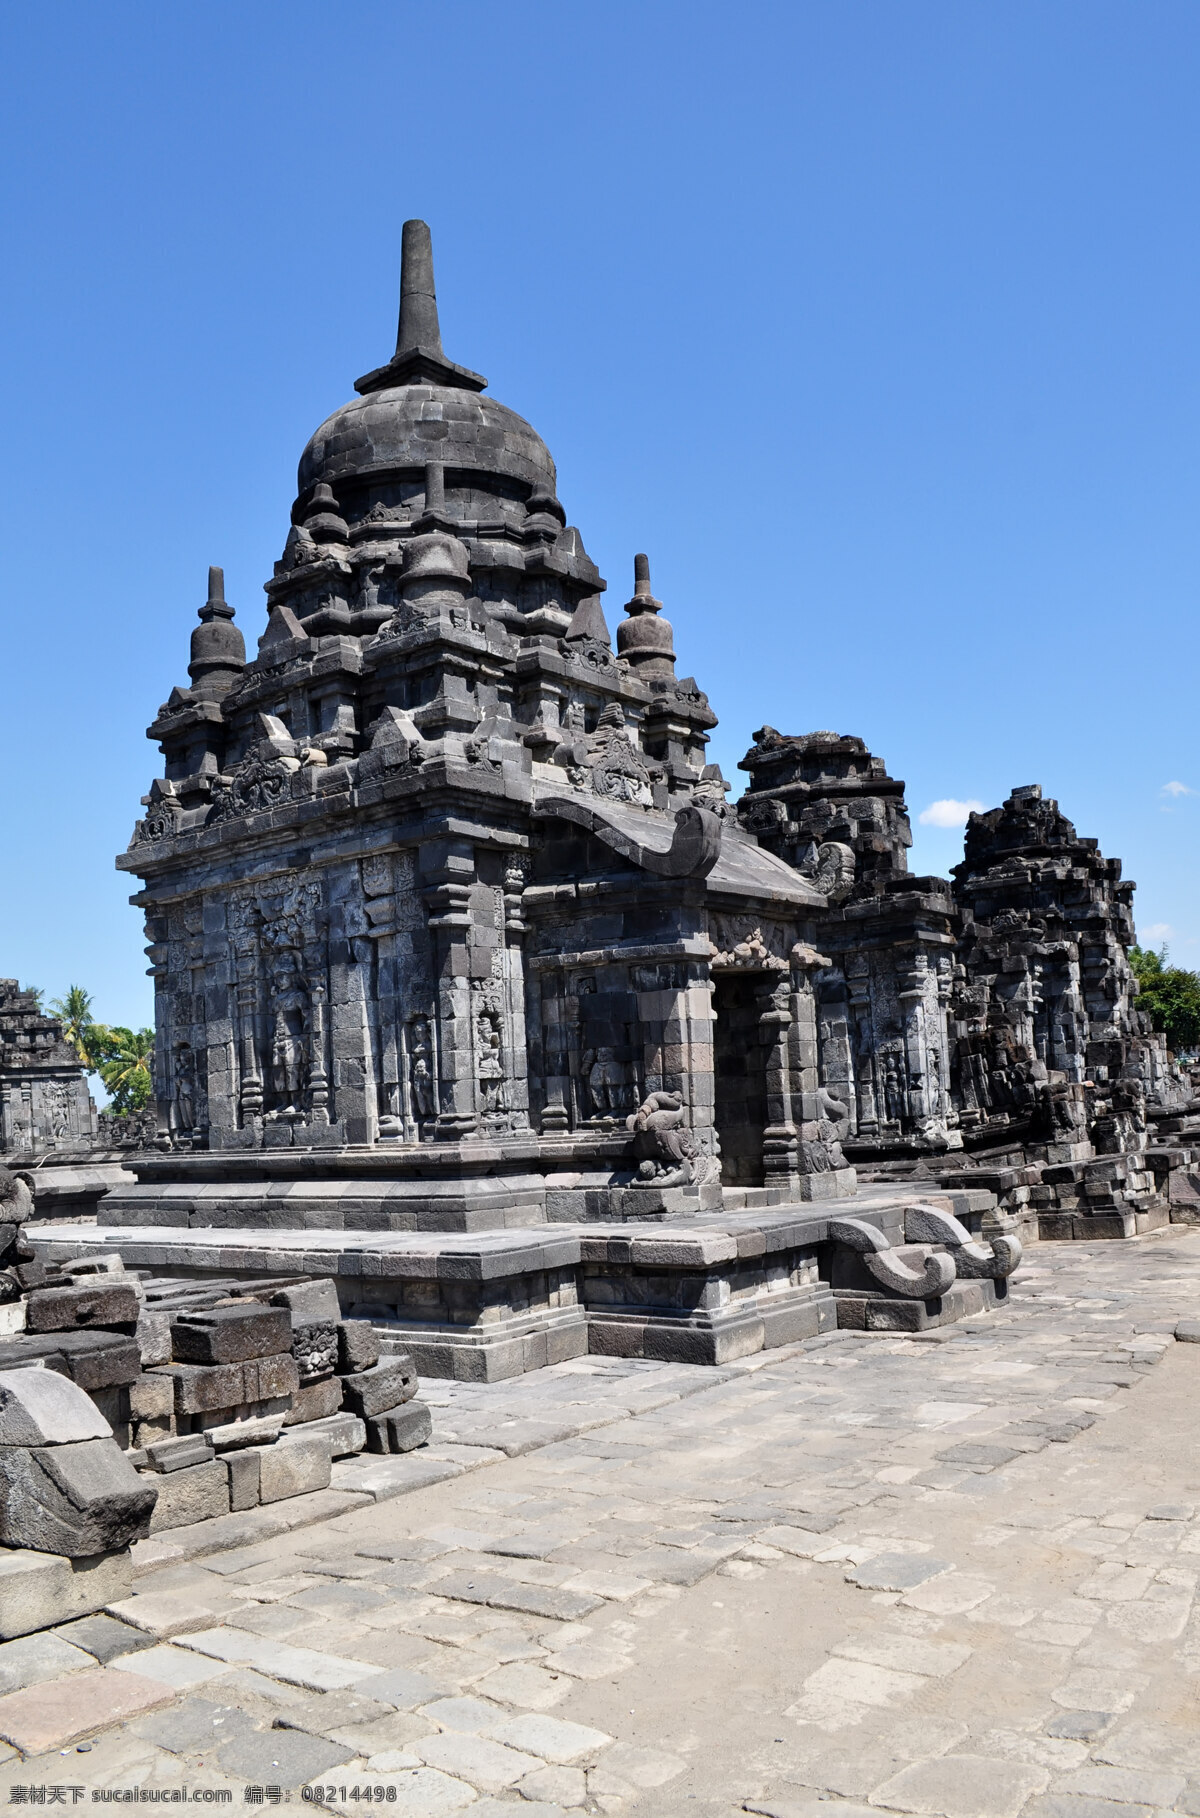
x=951 y=1573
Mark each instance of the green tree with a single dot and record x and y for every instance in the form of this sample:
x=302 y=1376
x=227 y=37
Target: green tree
x=123 y=1063
x=1170 y=995
x=79 y=1026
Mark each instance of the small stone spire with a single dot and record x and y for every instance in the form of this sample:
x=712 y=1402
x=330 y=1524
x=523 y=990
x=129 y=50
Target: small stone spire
x=218 y=647
x=216 y=606
x=645 y=640
x=419 y=326
x=418 y=356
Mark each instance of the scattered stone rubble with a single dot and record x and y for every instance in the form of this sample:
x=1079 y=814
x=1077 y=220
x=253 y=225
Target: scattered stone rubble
x=130 y=1404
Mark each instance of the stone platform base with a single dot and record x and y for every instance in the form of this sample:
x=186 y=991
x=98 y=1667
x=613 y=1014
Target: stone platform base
x=490 y=1305
x=880 y=1313
x=1091 y=1227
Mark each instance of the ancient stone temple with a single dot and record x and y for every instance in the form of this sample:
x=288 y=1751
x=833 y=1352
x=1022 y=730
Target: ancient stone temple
x=984 y=1031
x=45 y=1107
x=440 y=868
x=470 y=990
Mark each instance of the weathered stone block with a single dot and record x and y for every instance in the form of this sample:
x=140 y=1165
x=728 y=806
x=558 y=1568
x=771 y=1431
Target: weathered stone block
x=383 y=1387
x=94 y=1360
x=150 y=1398
x=200 y=1388
x=76 y=1499
x=42 y=1408
x=243 y=1477
x=315 y=1401
x=346 y=1433
x=400 y=1429
x=358 y=1346
x=40 y=1590
x=293 y=1467
x=309 y=1301
x=110 y=1302
x=180 y=1453
x=153 y=1335
x=230 y=1334
x=197 y=1494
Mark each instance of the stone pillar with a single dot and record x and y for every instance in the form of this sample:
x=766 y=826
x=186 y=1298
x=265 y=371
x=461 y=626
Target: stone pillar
x=783 y=1038
x=822 y=1166
x=516 y=872
x=448 y=871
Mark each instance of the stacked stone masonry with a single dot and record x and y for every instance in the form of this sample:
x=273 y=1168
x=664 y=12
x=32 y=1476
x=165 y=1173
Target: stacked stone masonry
x=130 y=1405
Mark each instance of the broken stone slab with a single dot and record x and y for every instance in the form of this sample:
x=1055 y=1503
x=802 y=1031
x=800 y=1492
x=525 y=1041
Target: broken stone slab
x=76 y=1499
x=105 y=1262
x=381 y=1388
x=221 y=1335
x=40 y=1590
x=109 y=1303
x=41 y=1408
x=179 y=1453
x=248 y=1430
x=400 y=1429
x=358 y=1346
x=1187 y=1332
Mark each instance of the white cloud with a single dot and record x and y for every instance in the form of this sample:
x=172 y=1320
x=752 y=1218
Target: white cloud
x=948 y=813
x=1177 y=789
x=1157 y=931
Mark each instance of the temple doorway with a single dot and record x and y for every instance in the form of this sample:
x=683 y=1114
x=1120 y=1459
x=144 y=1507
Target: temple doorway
x=741 y=1083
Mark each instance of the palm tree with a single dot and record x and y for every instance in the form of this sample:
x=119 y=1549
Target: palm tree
x=74 y=1012
x=125 y=1067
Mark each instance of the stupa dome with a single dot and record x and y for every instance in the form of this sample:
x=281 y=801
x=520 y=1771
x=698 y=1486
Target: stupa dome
x=422 y=407
x=407 y=426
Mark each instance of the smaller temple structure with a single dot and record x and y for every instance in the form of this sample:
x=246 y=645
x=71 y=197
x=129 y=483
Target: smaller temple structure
x=45 y=1107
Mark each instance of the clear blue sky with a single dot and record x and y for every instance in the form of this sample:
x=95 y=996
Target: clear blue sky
x=876 y=325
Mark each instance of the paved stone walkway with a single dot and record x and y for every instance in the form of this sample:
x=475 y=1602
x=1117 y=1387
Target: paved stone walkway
x=950 y=1574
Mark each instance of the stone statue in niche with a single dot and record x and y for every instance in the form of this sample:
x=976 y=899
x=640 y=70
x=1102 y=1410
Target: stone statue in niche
x=183 y=1091
x=895 y=1097
x=420 y=1069
x=490 y=1070
x=57 y=1110
x=610 y=1082
x=289 y=1041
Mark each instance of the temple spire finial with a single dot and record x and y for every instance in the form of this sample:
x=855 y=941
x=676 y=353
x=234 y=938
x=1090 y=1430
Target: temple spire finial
x=215 y=607
x=419 y=327
x=418 y=357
